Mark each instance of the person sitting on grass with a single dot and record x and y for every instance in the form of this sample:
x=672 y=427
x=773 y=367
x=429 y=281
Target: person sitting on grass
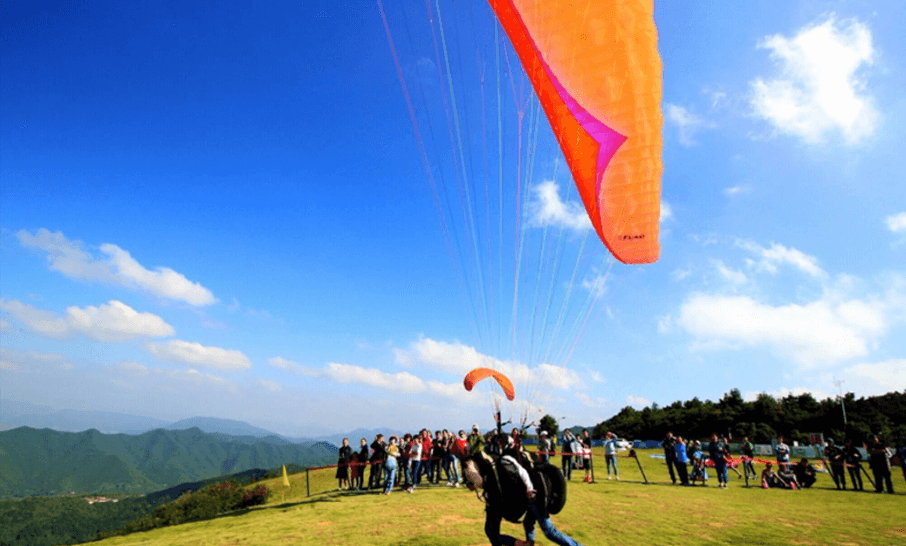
x=786 y=474
x=805 y=473
x=769 y=479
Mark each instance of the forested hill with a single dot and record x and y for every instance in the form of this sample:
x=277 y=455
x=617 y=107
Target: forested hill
x=764 y=418
x=47 y=462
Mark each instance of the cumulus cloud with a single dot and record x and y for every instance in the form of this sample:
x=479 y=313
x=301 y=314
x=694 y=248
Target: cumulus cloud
x=111 y=322
x=196 y=354
x=270 y=385
x=770 y=258
x=820 y=87
x=811 y=334
x=373 y=377
x=547 y=209
x=638 y=402
x=116 y=267
x=734 y=277
x=739 y=189
x=873 y=379
x=458 y=359
x=897 y=223
x=687 y=123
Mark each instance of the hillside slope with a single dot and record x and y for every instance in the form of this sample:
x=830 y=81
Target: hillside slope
x=47 y=462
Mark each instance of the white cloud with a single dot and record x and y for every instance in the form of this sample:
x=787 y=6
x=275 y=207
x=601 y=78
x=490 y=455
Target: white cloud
x=270 y=385
x=638 y=402
x=811 y=334
x=874 y=379
x=547 y=209
x=117 y=267
x=777 y=254
x=459 y=359
x=348 y=373
x=198 y=378
x=897 y=222
x=819 y=89
x=196 y=354
x=597 y=377
x=783 y=392
x=740 y=189
x=133 y=368
x=111 y=322
x=687 y=123
x=734 y=277
x=13 y=359
x=666 y=212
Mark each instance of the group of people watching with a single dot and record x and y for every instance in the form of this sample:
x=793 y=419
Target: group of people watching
x=396 y=461
x=680 y=457
x=408 y=460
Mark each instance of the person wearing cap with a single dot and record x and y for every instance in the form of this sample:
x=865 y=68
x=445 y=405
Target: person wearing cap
x=508 y=493
x=476 y=440
x=544 y=447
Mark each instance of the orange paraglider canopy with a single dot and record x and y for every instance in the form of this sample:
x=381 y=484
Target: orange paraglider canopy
x=595 y=67
x=478 y=374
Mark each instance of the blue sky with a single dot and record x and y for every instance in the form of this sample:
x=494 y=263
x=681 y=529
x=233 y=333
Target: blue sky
x=224 y=210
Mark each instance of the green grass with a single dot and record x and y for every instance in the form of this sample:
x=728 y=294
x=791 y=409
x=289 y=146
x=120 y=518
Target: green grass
x=606 y=512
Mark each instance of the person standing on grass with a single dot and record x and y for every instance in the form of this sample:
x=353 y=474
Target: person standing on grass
x=610 y=455
x=437 y=457
x=717 y=450
x=363 y=462
x=425 y=469
x=853 y=458
x=748 y=450
x=415 y=461
x=390 y=464
x=344 y=455
x=544 y=447
x=403 y=462
x=567 y=458
x=783 y=452
x=476 y=440
x=670 y=455
x=836 y=460
x=586 y=454
x=377 y=460
x=879 y=460
x=682 y=460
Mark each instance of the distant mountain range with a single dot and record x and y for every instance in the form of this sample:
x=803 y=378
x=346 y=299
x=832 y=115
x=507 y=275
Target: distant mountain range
x=48 y=462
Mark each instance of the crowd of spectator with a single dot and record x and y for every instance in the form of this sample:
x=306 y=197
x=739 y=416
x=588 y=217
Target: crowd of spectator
x=411 y=460
x=840 y=460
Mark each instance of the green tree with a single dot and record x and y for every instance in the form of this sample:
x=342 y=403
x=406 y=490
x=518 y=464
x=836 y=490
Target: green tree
x=550 y=424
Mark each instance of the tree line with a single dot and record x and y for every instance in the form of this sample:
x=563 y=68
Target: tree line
x=766 y=417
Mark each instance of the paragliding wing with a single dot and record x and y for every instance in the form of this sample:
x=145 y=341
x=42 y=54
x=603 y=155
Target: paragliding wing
x=595 y=67
x=478 y=374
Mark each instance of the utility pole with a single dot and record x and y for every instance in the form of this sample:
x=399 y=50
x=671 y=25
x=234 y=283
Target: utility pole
x=839 y=384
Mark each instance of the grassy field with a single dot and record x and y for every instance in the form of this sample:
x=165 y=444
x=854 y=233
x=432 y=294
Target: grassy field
x=605 y=512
